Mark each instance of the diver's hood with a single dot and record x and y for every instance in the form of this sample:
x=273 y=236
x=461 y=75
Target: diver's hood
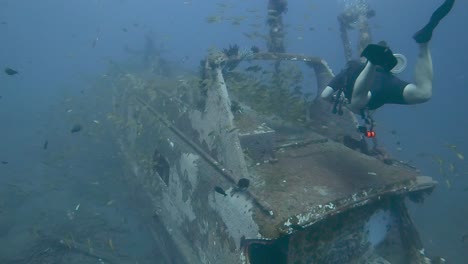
x=401 y=63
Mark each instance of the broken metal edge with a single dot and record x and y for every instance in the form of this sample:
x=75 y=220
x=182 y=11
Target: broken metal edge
x=323 y=211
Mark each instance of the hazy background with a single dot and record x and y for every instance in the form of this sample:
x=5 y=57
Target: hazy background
x=50 y=43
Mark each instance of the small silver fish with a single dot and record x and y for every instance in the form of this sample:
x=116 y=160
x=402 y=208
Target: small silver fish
x=95 y=42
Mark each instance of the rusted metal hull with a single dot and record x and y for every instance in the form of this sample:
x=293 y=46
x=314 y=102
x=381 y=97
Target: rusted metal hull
x=311 y=199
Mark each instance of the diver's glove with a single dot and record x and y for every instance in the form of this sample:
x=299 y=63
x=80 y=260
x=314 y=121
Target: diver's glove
x=380 y=55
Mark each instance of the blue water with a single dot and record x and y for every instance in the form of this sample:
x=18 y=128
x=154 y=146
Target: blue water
x=50 y=43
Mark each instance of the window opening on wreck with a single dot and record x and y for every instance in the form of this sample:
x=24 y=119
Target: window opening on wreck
x=161 y=166
x=272 y=252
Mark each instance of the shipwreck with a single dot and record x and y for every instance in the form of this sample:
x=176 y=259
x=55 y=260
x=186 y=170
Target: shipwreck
x=241 y=166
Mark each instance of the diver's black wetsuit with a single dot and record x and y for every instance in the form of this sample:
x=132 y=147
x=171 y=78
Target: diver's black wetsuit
x=386 y=88
x=357 y=79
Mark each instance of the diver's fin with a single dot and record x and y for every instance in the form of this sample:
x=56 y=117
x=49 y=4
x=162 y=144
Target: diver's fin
x=380 y=55
x=425 y=34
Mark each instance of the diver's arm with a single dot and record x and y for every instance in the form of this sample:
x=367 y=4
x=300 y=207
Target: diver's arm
x=334 y=85
x=327 y=94
x=361 y=89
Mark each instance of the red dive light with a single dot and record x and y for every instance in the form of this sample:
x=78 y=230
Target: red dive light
x=370 y=134
x=366 y=132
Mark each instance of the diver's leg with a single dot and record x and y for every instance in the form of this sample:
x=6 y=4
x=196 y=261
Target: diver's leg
x=361 y=94
x=421 y=90
x=425 y=34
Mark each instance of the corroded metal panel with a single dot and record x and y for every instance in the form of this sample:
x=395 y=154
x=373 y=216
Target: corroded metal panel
x=179 y=151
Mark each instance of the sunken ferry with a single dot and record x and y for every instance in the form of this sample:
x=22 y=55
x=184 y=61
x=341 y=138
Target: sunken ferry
x=239 y=165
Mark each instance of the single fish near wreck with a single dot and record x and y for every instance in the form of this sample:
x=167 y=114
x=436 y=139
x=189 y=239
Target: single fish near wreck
x=111 y=244
x=464 y=238
x=10 y=71
x=220 y=190
x=76 y=128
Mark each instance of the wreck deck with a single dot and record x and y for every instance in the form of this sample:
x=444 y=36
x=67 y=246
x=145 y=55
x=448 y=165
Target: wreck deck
x=308 y=183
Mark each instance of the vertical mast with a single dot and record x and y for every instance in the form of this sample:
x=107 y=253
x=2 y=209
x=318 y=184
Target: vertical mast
x=275 y=43
x=355 y=16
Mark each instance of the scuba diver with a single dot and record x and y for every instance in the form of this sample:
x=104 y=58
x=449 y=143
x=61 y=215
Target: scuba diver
x=364 y=87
